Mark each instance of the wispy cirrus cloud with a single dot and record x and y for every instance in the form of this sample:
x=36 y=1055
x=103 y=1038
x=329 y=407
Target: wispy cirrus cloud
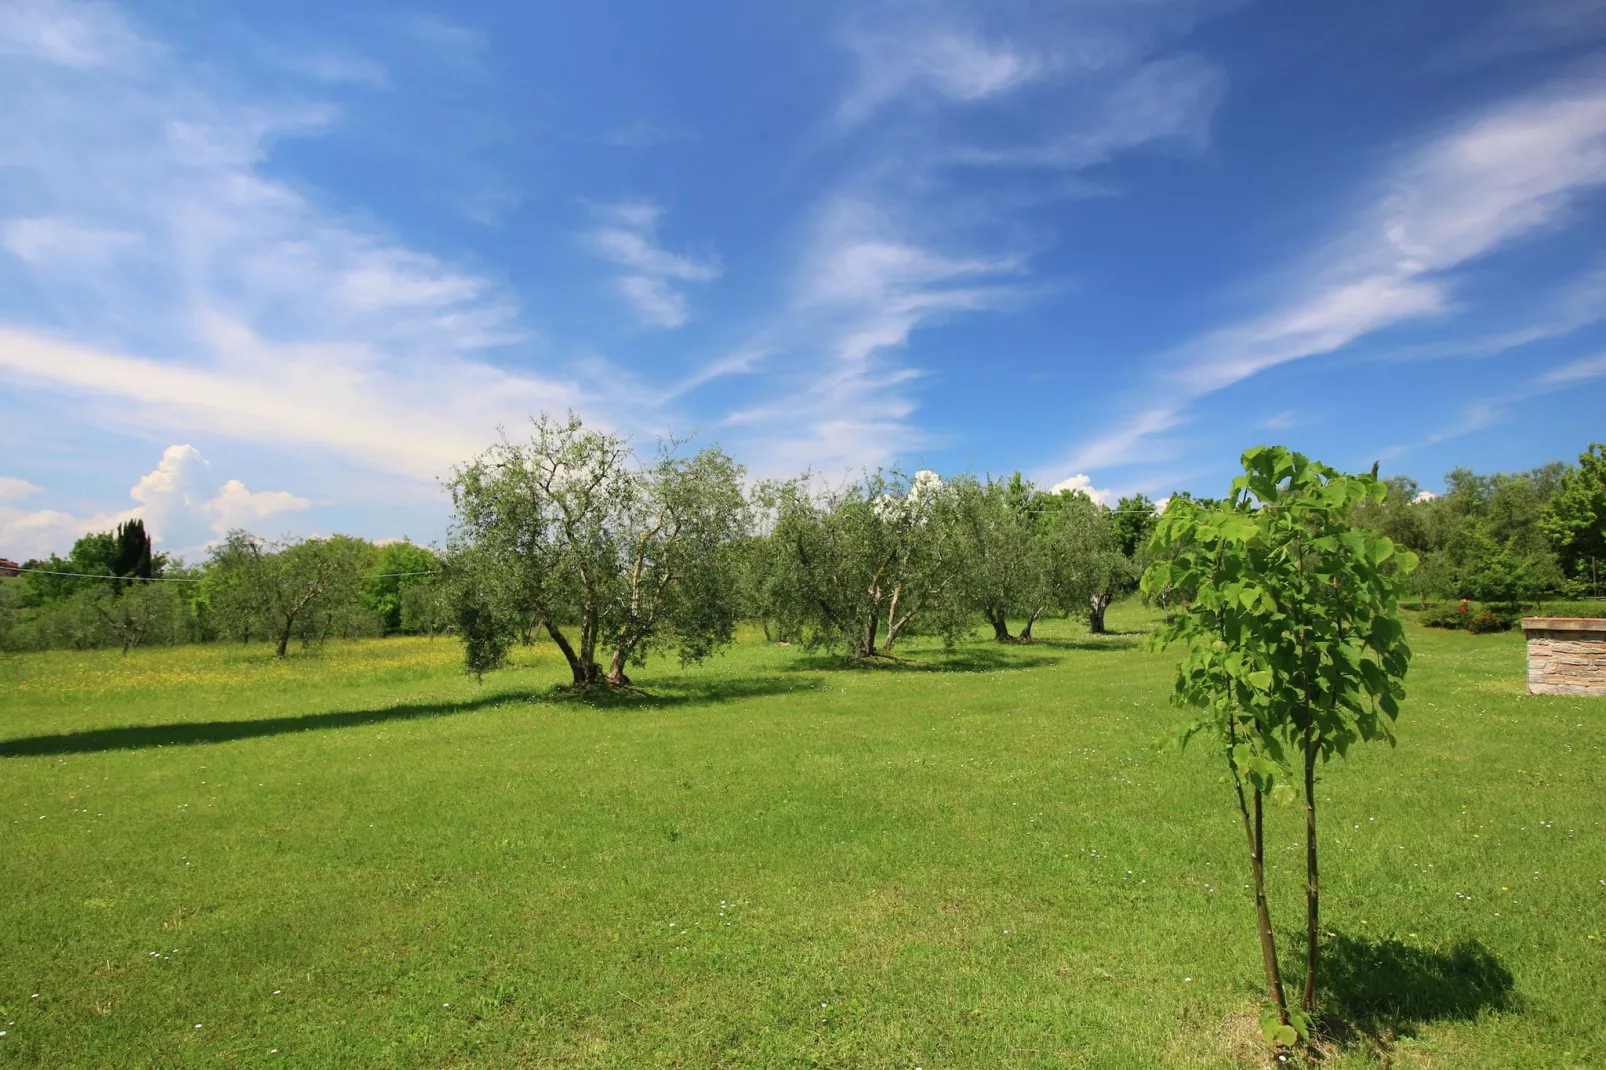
x=1483 y=185
x=628 y=238
x=1166 y=100
x=1481 y=415
x=864 y=285
x=945 y=61
x=898 y=245
x=1577 y=371
x=1515 y=27
x=185 y=285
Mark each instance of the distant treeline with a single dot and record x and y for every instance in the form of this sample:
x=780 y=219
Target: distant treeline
x=574 y=536
x=1504 y=539
x=112 y=590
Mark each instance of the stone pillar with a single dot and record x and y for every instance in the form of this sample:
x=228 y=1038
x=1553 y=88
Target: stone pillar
x=1566 y=655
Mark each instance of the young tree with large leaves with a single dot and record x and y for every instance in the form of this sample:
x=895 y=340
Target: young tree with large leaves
x=1294 y=650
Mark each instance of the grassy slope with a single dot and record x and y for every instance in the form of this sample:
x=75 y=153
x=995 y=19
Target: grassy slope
x=769 y=863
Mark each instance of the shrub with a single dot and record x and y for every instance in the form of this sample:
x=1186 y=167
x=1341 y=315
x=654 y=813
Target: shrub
x=1489 y=619
x=1450 y=616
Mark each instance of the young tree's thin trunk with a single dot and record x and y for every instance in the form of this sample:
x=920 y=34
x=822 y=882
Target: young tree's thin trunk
x=1313 y=926
x=1253 y=831
x=1095 y=618
x=1026 y=632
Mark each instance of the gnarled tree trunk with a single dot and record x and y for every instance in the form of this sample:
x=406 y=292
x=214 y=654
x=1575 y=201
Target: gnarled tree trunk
x=1000 y=623
x=1096 y=607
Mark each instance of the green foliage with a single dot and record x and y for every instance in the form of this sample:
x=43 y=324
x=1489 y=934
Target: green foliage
x=1470 y=617
x=566 y=531
x=882 y=553
x=1293 y=639
x=1574 y=519
x=397 y=568
x=131 y=552
x=1134 y=522
x=308 y=589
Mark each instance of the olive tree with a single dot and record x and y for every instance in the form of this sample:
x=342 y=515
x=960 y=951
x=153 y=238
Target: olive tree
x=1295 y=650
x=1086 y=566
x=879 y=553
x=569 y=534
x=142 y=611
x=997 y=535
x=679 y=586
x=306 y=588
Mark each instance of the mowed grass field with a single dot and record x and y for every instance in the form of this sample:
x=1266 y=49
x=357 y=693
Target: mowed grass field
x=361 y=857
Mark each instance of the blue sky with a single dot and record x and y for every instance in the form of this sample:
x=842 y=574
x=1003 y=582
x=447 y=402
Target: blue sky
x=281 y=266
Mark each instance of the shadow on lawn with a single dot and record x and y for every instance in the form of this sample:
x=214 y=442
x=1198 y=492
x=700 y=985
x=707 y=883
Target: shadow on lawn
x=1380 y=990
x=962 y=659
x=137 y=737
x=1108 y=641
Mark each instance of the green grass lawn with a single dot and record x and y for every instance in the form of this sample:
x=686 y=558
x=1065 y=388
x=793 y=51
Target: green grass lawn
x=363 y=858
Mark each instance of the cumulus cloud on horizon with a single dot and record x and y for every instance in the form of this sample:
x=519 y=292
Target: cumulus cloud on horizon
x=183 y=504
x=1083 y=483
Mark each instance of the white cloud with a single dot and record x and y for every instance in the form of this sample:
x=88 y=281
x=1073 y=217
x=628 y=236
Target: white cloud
x=1164 y=100
x=864 y=286
x=69 y=34
x=1577 y=371
x=43 y=240
x=198 y=292
x=11 y=488
x=323 y=65
x=446 y=39
x=1280 y=421
x=1084 y=484
x=38 y=533
x=629 y=239
x=1465 y=194
x=181 y=502
x=418 y=425
x=1424 y=496
x=657 y=303
x=945 y=61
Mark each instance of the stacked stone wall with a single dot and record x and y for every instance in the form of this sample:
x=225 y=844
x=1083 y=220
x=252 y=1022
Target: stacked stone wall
x=1566 y=655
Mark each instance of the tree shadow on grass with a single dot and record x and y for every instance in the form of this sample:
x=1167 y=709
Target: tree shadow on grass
x=685 y=691
x=139 y=737
x=1108 y=641
x=1378 y=990
x=960 y=659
